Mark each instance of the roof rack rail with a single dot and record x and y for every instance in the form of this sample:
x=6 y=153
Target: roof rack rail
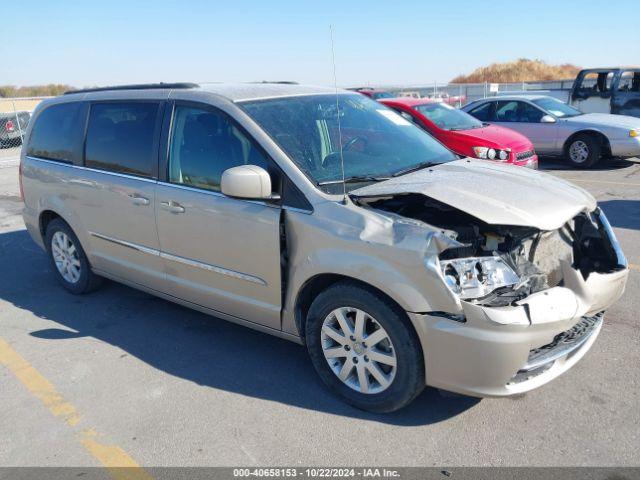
x=142 y=86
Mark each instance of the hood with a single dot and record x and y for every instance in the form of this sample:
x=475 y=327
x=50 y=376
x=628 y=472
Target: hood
x=608 y=119
x=497 y=137
x=494 y=193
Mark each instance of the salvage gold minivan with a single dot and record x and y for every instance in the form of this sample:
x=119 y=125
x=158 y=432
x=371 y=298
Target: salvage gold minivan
x=325 y=218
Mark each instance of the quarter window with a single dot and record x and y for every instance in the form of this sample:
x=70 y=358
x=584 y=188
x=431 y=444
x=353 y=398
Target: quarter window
x=57 y=133
x=121 y=138
x=205 y=143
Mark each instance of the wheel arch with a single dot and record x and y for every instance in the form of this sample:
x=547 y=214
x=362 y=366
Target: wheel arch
x=45 y=218
x=320 y=282
x=49 y=214
x=602 y=138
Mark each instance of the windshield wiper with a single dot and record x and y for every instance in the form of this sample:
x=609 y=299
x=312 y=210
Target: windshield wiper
x=354 y=179
x=414 y=168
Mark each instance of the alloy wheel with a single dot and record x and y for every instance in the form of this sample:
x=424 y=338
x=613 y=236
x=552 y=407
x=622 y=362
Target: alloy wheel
x=65 y=256
x=579 y=151
x=358 y=350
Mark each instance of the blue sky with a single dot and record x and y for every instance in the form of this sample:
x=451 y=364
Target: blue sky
x=402 y=42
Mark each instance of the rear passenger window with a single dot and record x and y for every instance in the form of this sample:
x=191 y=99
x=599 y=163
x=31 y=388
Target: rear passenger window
x=121 y=138
x=204 y=144
x=57 y=133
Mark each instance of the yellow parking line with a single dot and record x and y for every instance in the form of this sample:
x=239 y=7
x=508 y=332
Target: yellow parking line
x=602 y=181
x=120 y=464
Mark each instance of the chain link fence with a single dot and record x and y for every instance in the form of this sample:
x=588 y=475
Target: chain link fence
x=15 y=114
x=459 y=95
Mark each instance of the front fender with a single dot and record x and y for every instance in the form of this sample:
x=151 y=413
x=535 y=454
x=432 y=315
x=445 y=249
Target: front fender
x=397 y=259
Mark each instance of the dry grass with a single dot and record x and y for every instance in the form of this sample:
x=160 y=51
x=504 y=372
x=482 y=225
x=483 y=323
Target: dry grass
x=522 y=70
x=50 y=90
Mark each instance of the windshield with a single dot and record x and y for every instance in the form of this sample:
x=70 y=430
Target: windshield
x=376 y=142
x=447 y=117
x=556 y=108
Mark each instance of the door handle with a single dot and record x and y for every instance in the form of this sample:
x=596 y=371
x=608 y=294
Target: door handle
x=139 y=200
x=173 y=207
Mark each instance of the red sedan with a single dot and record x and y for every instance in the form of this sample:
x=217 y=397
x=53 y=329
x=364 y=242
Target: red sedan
x=464 y=134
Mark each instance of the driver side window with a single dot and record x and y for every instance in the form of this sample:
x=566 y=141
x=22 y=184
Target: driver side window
x=406 y=116
x=205 y=143
x=516 y=111
x=629 y=82
x=506 y=111
x=527 y=113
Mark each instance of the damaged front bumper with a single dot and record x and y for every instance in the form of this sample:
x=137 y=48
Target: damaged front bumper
x=496 y=351
x=504 y=350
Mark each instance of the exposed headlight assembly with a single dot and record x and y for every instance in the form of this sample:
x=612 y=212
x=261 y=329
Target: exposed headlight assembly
x=475 y=277
x=489 y=153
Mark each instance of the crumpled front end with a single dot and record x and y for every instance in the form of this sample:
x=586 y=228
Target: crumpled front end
x=528 y=303
x=514 y=340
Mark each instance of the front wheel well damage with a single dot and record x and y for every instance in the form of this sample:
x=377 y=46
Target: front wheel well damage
x=317 y=284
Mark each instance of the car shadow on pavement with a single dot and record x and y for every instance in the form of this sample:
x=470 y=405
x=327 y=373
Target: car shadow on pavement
x=555 y=163
x=622 y=213
x=188 y=344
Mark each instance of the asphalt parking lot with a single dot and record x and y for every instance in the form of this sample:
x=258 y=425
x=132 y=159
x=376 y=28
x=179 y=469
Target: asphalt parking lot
x=123 y=377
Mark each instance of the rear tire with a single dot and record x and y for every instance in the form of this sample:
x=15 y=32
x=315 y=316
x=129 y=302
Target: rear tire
x=381 y=376
x=583 y=151
x=68 y=259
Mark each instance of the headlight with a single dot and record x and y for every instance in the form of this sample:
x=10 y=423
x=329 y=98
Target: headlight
x=634 y=133
x=488 y=153
x=475 y=277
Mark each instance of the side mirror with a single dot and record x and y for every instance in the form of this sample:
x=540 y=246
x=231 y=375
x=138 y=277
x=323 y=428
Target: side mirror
x=246 y=181
x=547 y=119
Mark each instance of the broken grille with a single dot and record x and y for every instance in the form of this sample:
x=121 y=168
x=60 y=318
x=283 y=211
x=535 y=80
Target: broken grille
x=565 y=342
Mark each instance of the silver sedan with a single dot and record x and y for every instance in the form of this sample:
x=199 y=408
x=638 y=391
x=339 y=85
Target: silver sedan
x=556 y=129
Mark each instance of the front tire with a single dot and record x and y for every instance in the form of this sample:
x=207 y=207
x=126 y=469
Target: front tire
x=364 y=348
x=68 y=259
x=583 y=151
